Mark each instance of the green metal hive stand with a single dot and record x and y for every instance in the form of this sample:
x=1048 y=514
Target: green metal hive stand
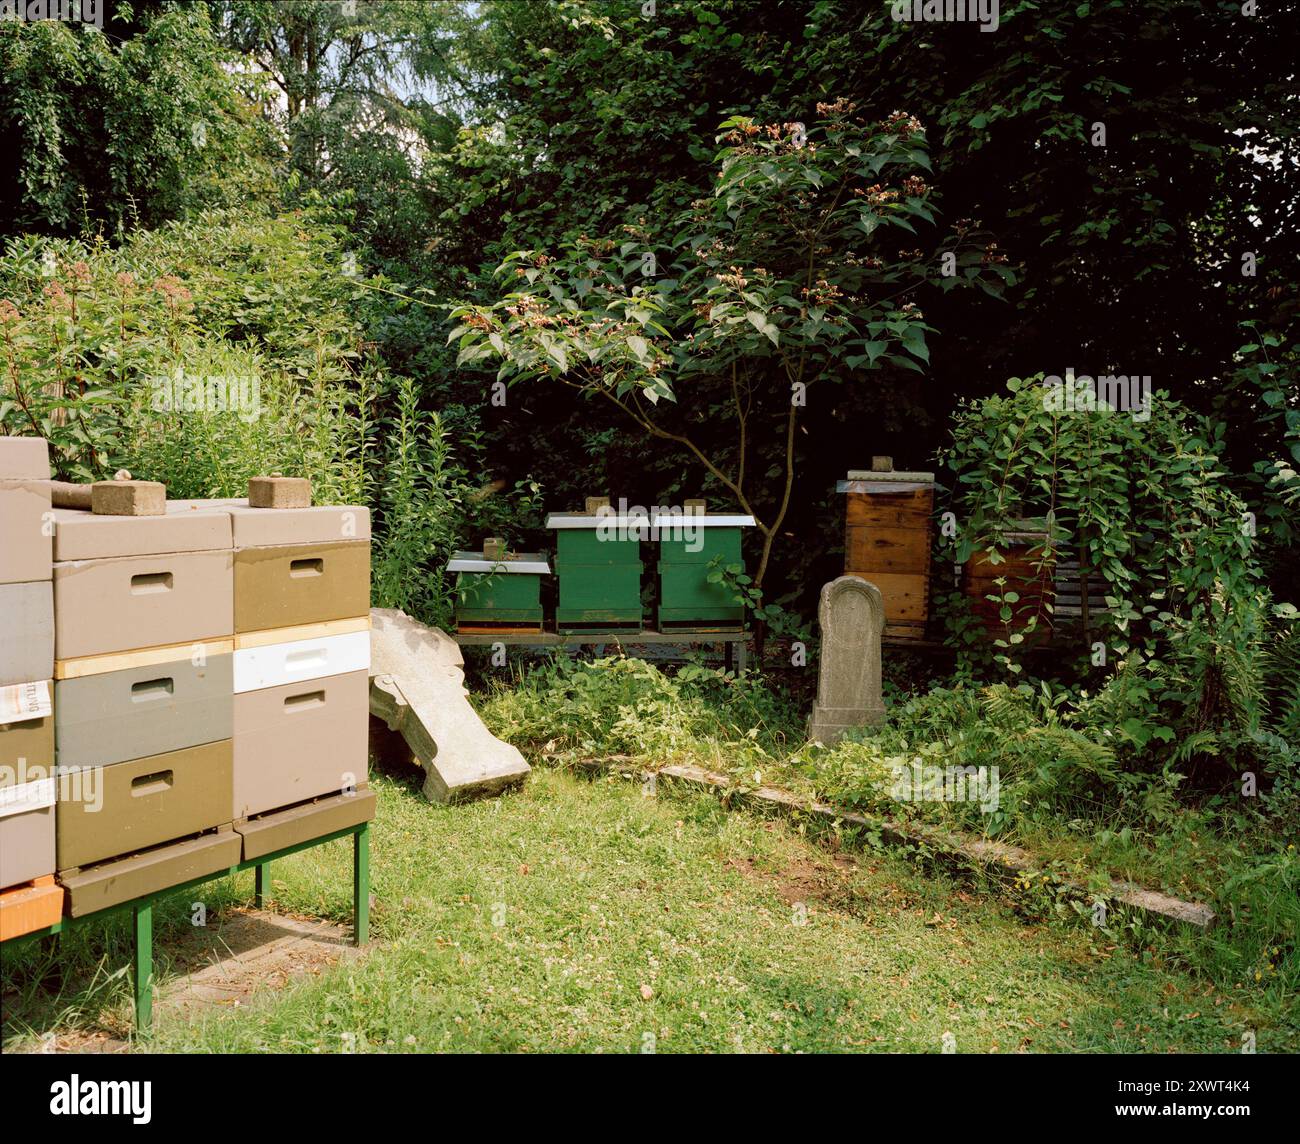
x=498 y=593
x=688 y=543
x=598 y=562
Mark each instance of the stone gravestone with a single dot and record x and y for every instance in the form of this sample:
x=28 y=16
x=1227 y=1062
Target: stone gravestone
x=852 y=617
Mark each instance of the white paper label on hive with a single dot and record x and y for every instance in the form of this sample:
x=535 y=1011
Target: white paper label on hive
x=22 y=701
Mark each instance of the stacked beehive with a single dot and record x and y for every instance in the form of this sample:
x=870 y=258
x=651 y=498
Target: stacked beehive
x=887 y=520
x=143 y=642
x=210 y=701
x=302 y=659
x=31 y=898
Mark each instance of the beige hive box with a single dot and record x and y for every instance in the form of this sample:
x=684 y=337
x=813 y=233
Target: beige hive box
x=122 y=583
x=24 y=459
x=25 y=540
x=26 y=832
x=106 y=812
x=300 y=741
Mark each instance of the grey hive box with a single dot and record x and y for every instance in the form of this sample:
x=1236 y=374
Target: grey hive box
x=105 y=812
x=26 y=632
x=300 y=741
x=128 y=714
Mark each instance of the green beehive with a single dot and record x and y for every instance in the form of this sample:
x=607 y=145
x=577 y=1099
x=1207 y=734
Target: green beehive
x=500 y=592
x=689 y=544
x=598 y=562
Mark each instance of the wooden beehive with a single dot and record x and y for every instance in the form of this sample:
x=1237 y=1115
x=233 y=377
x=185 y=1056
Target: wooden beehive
x=497 y=591
x=1024 y=573
x=887 y=522
x=598 y=563
x=689 y=543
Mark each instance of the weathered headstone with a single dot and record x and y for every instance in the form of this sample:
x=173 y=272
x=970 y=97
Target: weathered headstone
x=417 y=687
x=852 y=617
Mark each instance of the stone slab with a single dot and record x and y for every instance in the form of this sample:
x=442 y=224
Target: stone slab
x=417 y=687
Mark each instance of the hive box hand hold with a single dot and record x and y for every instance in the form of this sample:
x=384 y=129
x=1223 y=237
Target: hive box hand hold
x=26 y=632
x=128 y=714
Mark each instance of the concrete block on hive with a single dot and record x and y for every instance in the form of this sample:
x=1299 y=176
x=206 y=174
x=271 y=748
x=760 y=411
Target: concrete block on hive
x=593 y=505
x=276 y=491
x=123 y=496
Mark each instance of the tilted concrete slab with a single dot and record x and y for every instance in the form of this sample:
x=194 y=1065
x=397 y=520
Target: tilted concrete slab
x=417 y=687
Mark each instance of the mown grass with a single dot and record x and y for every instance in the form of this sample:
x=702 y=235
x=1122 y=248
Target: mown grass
x=628 y=923
x=1242 y=862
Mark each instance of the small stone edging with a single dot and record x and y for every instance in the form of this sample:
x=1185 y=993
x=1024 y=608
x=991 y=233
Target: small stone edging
x=996 y=858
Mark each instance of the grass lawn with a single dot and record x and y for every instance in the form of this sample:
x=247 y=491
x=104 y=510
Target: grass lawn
x=580 y=915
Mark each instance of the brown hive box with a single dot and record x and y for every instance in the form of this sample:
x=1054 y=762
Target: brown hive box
x=887 y=541
x=105 y=812
x=282 y=829
x=139 y=875
x=27 y=745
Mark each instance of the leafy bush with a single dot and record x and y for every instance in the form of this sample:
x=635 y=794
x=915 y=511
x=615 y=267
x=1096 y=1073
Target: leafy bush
x=616 y=706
